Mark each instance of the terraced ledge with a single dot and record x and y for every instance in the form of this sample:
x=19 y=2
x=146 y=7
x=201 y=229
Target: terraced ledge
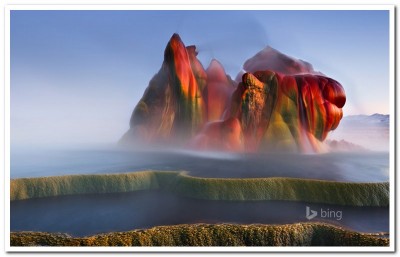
x=274 y=188
x=300 y=234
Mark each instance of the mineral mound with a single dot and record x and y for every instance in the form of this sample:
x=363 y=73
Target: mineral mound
x=279 y=104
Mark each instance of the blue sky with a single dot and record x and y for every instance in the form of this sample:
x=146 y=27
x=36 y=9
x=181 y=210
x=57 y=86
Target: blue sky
x=77 y=75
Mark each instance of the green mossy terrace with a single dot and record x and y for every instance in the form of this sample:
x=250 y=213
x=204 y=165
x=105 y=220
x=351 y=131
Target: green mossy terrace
x=275 y=188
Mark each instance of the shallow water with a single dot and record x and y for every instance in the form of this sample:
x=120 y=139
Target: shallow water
x=353 y=167
x=82 y=215
x=90 y=214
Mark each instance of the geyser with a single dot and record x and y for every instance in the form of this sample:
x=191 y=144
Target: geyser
x=280 y=104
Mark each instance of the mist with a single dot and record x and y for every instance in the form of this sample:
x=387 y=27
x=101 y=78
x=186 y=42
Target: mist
x=370 y=132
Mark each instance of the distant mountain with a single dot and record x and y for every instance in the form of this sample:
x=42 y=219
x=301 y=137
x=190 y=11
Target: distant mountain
x=376 y=119
x=368 y=131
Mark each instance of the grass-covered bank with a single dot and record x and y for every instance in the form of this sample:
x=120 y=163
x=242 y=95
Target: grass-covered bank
x=300 y=234
x=292 y=189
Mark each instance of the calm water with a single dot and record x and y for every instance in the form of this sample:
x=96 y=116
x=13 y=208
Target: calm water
x=91 y=214
x=355 y=167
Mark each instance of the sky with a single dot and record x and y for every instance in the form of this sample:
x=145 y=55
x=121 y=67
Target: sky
x=77 y=75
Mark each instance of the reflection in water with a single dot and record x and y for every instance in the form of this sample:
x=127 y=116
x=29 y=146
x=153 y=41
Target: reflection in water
x=82 y=215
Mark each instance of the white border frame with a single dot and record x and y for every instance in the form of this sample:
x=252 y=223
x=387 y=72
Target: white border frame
x=392 y=236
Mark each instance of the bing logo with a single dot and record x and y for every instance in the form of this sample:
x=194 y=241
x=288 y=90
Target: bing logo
x=330 y=214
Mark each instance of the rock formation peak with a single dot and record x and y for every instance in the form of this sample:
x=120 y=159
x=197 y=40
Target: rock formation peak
x=279 y=103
